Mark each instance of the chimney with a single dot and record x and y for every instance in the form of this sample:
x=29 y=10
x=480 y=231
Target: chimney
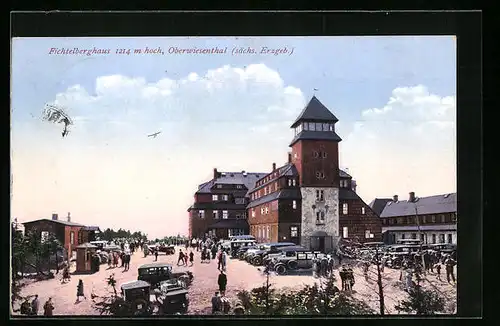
x=69 y=217
x=289 y=157
x=216 y=174
x=395 y=198
x=54 y=217
x=412 y=197
x=274 y=167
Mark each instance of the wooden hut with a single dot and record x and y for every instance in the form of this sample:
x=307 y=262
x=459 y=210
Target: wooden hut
x=84 y=253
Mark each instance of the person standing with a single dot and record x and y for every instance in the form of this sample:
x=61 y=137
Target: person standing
x=35 y=305
x=79 y=291
x=156 y=254
x=26 y=307
x=438 y=270
x=48 y=307
x=343 y=277
x=350 y=278
x=216 y=303
x=222 y=282
x=181 y=257
x=191 y=258
x=450 y=264
x=223 y=259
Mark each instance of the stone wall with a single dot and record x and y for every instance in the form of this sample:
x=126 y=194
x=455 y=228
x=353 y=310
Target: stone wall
x=308 y=223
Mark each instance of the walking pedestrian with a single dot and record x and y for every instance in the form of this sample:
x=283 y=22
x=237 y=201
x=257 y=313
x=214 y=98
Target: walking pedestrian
x=34 y=305
x=223 y=258
x=343 y=277
x=191 y=258
x=450 y=264
x=48 y=307
x=156 y=254
x=222 y=281
x=219 y=260
x=438 y=270
x=79 y=291
x=181 y=258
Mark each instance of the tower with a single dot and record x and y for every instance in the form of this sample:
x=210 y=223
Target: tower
x=315 y=154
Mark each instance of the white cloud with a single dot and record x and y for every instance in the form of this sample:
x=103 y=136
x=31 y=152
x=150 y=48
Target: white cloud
x=407 y=145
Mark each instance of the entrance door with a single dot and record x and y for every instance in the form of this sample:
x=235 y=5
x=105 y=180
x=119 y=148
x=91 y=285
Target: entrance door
x=321 y=244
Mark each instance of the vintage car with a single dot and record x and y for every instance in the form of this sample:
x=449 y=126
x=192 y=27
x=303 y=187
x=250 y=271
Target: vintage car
x=235 y=245
x=242 y=251
x=157 y=272
x=286 y=251
x=173 y=300
x=136 y=295
x=167 y=249
x=295 y=260
x=271 y=248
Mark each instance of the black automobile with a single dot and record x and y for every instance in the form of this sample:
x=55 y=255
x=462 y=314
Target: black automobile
x=258 y=257
x=286 y=251
x=136 y=295
x=155 y=273
x=173 y=301
x=242 y=250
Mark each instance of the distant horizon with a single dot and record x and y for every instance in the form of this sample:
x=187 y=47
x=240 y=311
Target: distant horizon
x=395 y=98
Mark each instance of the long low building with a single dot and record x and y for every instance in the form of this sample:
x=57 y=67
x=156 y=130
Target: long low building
x=434 y=217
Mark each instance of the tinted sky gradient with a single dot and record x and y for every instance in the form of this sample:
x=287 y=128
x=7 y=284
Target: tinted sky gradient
x=394 y=97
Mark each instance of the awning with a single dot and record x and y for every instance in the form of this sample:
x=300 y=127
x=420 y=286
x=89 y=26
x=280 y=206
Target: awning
x=230 y=224
x=319 y=234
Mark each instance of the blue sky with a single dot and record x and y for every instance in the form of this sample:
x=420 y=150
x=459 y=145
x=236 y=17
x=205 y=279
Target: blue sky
x=233 y=114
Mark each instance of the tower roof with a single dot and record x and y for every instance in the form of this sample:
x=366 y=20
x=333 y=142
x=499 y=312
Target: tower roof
x=315 y=111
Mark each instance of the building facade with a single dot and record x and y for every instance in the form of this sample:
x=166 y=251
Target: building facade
x=219 y=207
x=433 y=219
x=68 y=233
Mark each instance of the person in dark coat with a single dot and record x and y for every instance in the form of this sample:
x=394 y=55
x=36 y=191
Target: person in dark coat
x=216 y=303
x=35 y=304
x=181 y=258
x=191 y=258
x=26 y=307
x=79 y=291
x=214 y=251
x=156 y=254
x=343 y=277
x=48 y=307
x=222 y=281
x=449 y=264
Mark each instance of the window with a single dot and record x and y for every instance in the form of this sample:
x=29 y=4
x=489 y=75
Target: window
x=294 y=204
x=345 y=233
x=315 y=154
x=319 y=126
x=443 y=218
x=267 y=210
x=433 y=238
x=320 y=217
x=72 y=237
x=384 y=222
x=414 y=236
x=215 y=197
x=44 y=236
x=400 y=220
x=289 y=182
x=239 y=201
x=219 y=186
x=294 y=231
x=403 y=236
x=320 y=175
x=294 y=182
x=433 y=218
x=275 y=186
x=372 y=236
x=305 y=125
x=202 y=214
x=320 y=195
x=367 y=234
x=312 y=126
x=394 y=221
x=325 y=126
x=225 y=197
x=262 y=211
x=294 y=155
x=453 y=217
x=325 y=154
x=422 y=237
x=450 y=238
x=345 y=209
x=268 y=233
x=363 y=211
x=441 y=238
x=239 y=186
x=265 y=191
x=424 y=219
x=216 y=214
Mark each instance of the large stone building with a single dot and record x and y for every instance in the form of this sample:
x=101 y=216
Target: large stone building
x=434 y=217
x=219 y=207
x=308 y=200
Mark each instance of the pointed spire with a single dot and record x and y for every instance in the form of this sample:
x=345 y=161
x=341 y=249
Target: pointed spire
x=315 y=111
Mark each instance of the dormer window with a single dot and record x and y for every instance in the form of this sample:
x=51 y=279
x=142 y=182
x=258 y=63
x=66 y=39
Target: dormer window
x=326 y=127
x=319 y=126
x=305 y=125
x=312 y=126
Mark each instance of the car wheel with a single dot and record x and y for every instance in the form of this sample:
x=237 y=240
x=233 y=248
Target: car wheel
x=280 y=269
x=292 y=264
x=257 y=261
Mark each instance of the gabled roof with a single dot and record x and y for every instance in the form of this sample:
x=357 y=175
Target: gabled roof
x=378 y=204
x=247 y=179
x=55 y=221
x=344 y=174
x=446 y=203
x=281 y=194
x=315 y=111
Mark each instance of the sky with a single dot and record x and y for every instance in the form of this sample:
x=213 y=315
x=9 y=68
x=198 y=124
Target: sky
x=395 y=98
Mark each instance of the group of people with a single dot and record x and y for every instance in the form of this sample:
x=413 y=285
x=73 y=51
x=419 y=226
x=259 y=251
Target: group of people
x=323 y=267
x=347 y=277
x=183 y=258
x=31 y=309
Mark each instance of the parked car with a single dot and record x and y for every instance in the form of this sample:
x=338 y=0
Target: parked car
x=295 y=260
x=242 y=251
x=271 y=248
x=173 y=301
x=235 y=245
x=158 y=272
x=167 y=249
x=137 y=296
x=286 y=251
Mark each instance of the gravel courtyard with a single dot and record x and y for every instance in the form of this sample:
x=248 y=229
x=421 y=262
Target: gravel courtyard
x=240 y=276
